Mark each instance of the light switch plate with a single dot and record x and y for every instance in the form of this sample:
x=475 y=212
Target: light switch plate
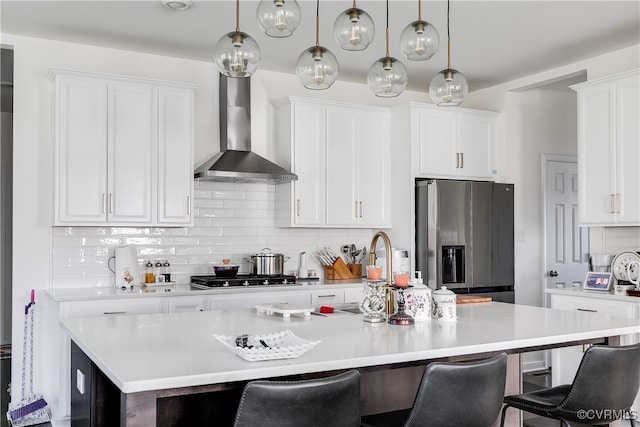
x=80 y=381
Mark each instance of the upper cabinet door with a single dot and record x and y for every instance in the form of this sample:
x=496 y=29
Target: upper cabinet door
x=175 y=156
x=132 y=150
x=438 y=139
x=628 y=150
x=596 y=155
x=307 y=205
x=374 y=175
x=80 y=124
x=342 y=166
x=476 y=137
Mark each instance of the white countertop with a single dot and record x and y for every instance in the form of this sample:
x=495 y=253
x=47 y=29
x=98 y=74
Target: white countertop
x=141 y=291
x=578 y=291
x=149 y=352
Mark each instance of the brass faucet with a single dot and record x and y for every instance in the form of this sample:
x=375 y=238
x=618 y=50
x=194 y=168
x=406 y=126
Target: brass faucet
x=389 y=297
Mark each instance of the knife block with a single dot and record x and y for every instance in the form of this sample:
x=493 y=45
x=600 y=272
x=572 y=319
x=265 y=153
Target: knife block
x=339 y=270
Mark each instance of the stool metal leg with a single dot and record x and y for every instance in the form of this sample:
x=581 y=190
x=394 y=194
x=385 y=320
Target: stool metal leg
x=504 y=412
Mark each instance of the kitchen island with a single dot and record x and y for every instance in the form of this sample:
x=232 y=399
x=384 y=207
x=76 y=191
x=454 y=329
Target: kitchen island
x=150 y=358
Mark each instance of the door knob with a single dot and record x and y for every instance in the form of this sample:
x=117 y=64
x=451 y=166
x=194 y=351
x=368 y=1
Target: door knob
x=553 y=273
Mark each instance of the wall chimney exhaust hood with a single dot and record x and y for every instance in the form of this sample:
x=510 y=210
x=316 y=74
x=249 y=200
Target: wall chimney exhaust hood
x=236 y=161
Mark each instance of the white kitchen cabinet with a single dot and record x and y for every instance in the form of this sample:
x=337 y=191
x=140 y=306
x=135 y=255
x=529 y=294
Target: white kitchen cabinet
x=300 y=144
x=340 y=153
x=327 y=297
x=246 y=300
x=354 y=294
x=182 y=304
x=123 y=150
x=608 y=150
x=175 y=156
x=357 y=166
x=565 y=361
x=453 y=142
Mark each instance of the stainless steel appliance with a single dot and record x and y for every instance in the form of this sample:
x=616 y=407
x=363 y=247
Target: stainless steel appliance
x=464 y=236
x=236 y=161
x=210 y=281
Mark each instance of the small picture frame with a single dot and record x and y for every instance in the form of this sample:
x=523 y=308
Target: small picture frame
x=597 y=281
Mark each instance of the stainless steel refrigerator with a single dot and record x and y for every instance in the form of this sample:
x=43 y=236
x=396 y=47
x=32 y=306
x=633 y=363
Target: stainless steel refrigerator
x=465 y=236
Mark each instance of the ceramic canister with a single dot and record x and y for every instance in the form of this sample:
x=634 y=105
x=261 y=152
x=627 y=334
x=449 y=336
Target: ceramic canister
x=444 y=305
x=418 y=302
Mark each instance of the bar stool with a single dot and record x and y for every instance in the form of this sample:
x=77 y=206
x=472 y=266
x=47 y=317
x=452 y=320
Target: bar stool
x=602 y=391
x=463 y=394
x=332 y=401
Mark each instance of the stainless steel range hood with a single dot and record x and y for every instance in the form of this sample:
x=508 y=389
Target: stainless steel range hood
x=236 y=161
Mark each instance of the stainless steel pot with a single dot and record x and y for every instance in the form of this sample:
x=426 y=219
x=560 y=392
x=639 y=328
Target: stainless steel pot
x=267 y=263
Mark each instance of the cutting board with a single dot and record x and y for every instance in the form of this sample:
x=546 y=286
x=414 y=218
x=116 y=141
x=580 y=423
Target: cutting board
x=464 y=299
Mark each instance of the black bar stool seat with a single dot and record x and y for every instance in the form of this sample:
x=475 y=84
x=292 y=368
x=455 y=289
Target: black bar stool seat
x=462 y=394
x=332 y=401
x=602 y=391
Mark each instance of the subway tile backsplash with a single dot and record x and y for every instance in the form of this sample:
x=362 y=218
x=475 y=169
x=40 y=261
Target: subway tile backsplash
x=231 y=220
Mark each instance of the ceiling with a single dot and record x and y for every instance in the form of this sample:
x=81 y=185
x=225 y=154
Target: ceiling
x=492 y=41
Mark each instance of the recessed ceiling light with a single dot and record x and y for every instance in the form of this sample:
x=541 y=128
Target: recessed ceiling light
x=177 y=4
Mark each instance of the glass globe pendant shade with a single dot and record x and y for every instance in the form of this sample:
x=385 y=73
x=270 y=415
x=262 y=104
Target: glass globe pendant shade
x=448 y=88
x=278 y=18
x=317 y=68
x=419 y=41
x=237 y=54
x=354 y=29
x=387 y=77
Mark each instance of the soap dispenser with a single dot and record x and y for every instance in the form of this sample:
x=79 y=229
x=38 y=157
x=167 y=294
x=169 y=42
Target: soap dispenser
x=303 y=273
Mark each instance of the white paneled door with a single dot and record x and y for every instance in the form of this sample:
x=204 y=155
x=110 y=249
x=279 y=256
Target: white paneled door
x=567 y=244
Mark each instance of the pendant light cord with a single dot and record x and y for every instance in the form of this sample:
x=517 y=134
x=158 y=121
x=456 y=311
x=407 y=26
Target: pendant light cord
x=419 y=10
x=387 y=41
x=448 y=39
x=317 y=23
x=237 y=16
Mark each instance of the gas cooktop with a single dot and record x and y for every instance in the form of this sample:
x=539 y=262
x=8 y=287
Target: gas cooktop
x=206 y=282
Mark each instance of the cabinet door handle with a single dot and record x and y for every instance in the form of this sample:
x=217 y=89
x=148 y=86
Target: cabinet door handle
x=457 y=160
x=617 y=202
x=188 y=205
x=104 y=202
x=113 y=312
x=611 y=208
x=110 y=202
x=587 y=310
x=360 y=209
x=461 y=160
x=297 y=207
x=327 y=296
x=356 y=208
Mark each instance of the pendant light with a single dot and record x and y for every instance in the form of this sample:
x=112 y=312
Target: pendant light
x=419 y=40
x=237 y=54
x=317 y=67
x=354 y=29
x=449 y=87
x=278 y=18
x=387 y=77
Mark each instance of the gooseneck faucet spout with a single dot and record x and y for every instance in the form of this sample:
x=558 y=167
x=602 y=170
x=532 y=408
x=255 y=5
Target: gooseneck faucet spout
x=390 y=309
